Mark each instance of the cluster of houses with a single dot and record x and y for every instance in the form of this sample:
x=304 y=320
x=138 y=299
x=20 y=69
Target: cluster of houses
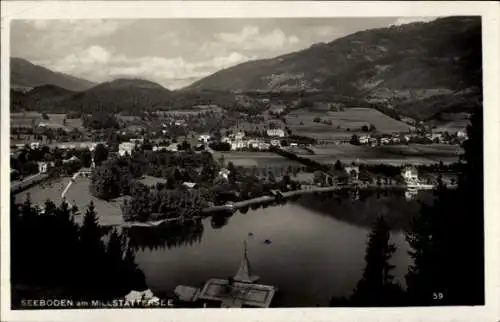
x=239 y=141
x=397 y=138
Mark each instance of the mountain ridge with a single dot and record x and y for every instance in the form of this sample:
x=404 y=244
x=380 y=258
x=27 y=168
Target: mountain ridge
x=370 y=61
x=26 y=75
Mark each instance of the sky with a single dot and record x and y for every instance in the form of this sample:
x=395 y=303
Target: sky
x=172 y=52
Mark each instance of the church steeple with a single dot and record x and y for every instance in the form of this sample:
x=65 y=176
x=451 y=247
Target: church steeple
x=244 y=273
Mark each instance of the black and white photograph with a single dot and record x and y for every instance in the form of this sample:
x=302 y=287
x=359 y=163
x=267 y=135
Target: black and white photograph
x=270 y=162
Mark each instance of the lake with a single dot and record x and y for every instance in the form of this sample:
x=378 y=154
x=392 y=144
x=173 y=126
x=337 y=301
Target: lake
x=317 y=247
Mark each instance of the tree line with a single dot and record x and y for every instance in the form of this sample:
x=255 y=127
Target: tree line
x=52 y=257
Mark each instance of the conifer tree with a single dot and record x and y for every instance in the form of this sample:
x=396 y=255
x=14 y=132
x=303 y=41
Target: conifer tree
x=377 y=286
x=447 y=238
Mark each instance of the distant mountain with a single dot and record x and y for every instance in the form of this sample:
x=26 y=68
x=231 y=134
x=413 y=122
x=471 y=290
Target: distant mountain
x=394 y=66
x=41 y=98
x=131 y=95
x=25 y=75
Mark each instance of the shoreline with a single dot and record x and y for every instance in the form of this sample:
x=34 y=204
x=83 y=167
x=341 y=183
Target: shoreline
x=232 y=207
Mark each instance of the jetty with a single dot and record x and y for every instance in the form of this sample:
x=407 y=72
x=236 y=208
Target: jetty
x=242 y=290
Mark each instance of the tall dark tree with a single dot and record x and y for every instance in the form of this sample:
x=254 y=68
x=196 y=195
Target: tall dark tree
x=105 y=182
x=377 y=286
x=447 y=238
x=100 y=154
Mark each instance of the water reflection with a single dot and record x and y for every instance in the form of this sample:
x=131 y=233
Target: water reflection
x=173 y=234
x=360 y=207
x=220 y=219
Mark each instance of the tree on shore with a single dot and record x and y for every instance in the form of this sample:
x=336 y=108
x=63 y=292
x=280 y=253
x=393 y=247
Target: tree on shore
x=52 y=257
x=447 y=238
x=377 y=286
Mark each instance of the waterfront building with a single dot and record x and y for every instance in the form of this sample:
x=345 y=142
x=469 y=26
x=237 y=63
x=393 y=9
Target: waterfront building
x=236 y=292
x=410 y=175
x=126 y=148
x=352 y=171
x=276 y=133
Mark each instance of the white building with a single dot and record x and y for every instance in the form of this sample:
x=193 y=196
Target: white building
x=364 y=139
x=224 y=173
x=42 y=167
x=462 y=134
x=352 y=171
x=125 y=147
x=172 y=147
x=239 y=135
x=410 y=174
x=34 y=145
x=276 y=132
x=238 y=144
x=205 y=138
x=275 y=142
x=254 y=144
x=264 y=146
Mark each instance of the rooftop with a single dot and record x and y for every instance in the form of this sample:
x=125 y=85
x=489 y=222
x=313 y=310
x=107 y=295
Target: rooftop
x=237 y=295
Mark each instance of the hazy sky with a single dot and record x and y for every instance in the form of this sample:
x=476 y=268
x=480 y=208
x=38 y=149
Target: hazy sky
x=172 y=52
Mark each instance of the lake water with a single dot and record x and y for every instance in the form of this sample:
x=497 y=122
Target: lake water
x=317 y=247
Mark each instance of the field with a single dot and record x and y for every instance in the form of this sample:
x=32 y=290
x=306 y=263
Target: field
x=390 y=154
x=344 y=123
x=78 y=194
x=251 y=159
x=55 y=120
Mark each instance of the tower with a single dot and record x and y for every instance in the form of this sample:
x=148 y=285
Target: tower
x=244 y=273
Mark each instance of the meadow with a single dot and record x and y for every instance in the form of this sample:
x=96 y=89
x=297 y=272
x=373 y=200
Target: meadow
x=54 y=121
x=251 y=159
x=344 y=123
x=78 y=194
x=389 y=154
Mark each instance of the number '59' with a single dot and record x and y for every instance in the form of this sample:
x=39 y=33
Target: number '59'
x=437 y=296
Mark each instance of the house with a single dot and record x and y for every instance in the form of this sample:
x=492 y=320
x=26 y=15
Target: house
x=462 y=134
x=224 y=173
x=364 y=139
x=72 y=159
x=275 y=133
x=275 y=143
x=410 y=174
x=189 y=185
x=385 y=140
x=42 y=167
x=205 y=138
x=172 y=147
x=264 y=146
x=239 y=135
x=125 y=148
x=34 y=145
x=254 y=144
x=353 y=171
x=238 y=144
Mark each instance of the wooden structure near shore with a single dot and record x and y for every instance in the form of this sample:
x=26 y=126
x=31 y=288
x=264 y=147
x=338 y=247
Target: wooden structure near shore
x=239 y=291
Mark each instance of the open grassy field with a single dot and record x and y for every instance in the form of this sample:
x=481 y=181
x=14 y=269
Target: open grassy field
x=55 y=120
x=251 y=159
x=390 y=154
x=78 y=194
x=344 y=123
